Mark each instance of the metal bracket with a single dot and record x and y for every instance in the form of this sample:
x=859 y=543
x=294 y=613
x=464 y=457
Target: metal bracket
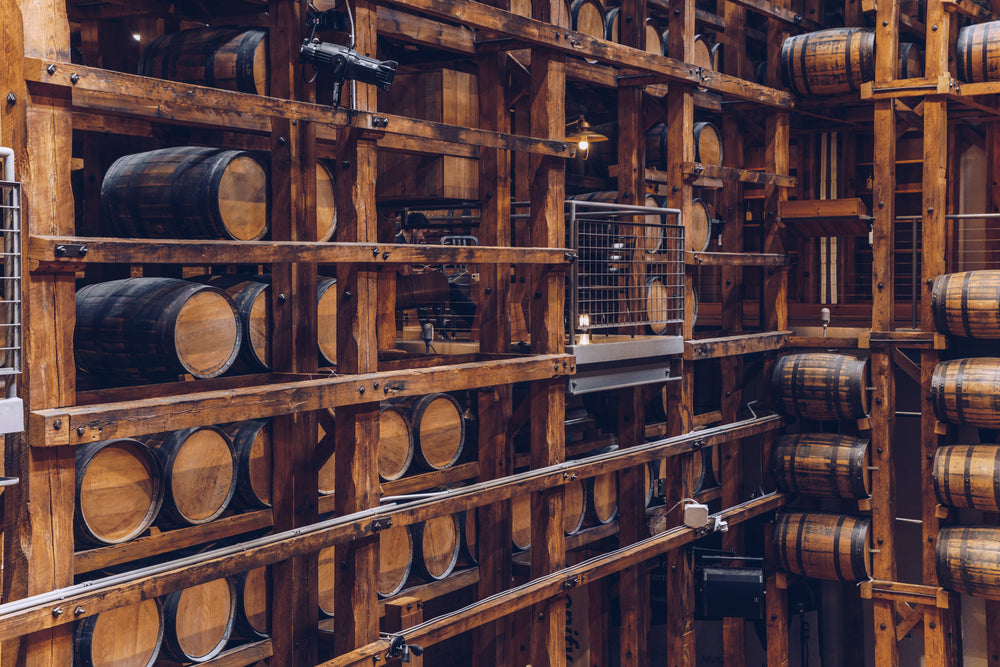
x=381 y=523
x=72 y=250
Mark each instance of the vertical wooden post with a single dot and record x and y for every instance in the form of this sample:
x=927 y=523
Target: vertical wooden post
x=775 y=607
x=403 y=613
x=38 y=526
x=356 y=478
x=495 y=452
x=774 y=309
x=548 y=403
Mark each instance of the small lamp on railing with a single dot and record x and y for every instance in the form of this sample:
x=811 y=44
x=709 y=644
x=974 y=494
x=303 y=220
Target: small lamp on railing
x=582 y=134
x=584 y=322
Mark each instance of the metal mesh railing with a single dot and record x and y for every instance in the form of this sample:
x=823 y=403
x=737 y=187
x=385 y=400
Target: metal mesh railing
x=10 y=303
x=629 y=275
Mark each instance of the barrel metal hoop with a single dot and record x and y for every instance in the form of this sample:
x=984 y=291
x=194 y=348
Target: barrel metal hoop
x=959 y=379
x=833 y=389
x=859 y=543
x=967 y=478
x=966 y=286
x=799 y=537
x=948 y=500
x=996 y=476
x=837 y=530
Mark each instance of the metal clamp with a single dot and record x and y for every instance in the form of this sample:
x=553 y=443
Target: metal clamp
x=400 y=650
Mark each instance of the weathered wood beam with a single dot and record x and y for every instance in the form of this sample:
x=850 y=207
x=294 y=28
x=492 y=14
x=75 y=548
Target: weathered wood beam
x=735 y=259
x=737 y=345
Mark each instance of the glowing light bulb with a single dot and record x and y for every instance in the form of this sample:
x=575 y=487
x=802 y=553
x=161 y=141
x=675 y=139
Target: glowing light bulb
x=584 y=144
x=137 y=37
x=584 y=320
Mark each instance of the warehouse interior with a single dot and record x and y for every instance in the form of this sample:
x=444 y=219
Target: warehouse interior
x=613 y=333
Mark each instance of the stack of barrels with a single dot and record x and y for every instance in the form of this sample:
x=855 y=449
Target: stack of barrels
x=837 y=61
x=179 y=478
x=964 y=392
x=822 y=387
x=192 y=625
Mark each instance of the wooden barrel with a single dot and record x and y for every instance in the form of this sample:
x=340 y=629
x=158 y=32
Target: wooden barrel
x=252 y=445
x=326 y=203
x=395 y=443
x=226 y=57
x=911 y=61
x=574 y=513
x=829 y=62
x=611 y=31
x=119 y=490
x=827 y=465
x=253 y=609
x=823 y=546
x=698 y=226
x=654 y=37
x=439 y=431
x=968 y=476
x=187 y=192
x=657 y=302
x=968 y=561
x=602 y=498
x=967 y=304
x=964 y=391
x=587 y=17
x=702 y=50
x=707 y=144
x=199 y=620
x=395 y=559
x=716 y=53
x=470 y=535
x=327 y=320
x=128 y=636
x=821 y=386
x=436 y=546
x=252 y=297
x=978 y=52
x=327 y=577
x=155 y=328
x=327 y=469
x=199 y=468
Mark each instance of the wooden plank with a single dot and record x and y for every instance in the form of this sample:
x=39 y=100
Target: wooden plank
x=552 y=585
x=730 y=346
x=130 y=418
x=895 y=88
x=735 y=259
x=38 y=512
x=700 y=169
x=848 y=207
x=780 y=13
x=968 y=8
x=45 y=250
x=569 y=42
x=895 y=591
x=403 y=613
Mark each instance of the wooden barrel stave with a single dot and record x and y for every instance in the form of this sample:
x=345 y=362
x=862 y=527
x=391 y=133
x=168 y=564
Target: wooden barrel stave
x=439 y=431
x=119 y=490
x=968 y=476
x=188 y=192
x=977 y=52
x=967 y=304
x=253 y=594
x=602 y=498
x=396 y=550
x=199 y=467
x=821 y=386
x=327 y=577
x=829 y=62
x=469 y=530
x=326 y=315
x=823 y=546
x=230 y=58
x=155 y=328
x=436 y=546
x=587 y=16
x=395 y=444
x=968 y=561
x=826 y=465
x=199 y=620
x=963 y=391
x=252 y=445
x=327 y=469
x=574 y=514
x=128 y=636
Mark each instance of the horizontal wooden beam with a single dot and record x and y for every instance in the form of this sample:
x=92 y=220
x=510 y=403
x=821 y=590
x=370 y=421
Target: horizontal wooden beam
x=781 y=14
x=734 y=259
x=553 y=585
x=884 y=90
x=701 y=170
x=932 y=596
x=62 y=253
x=484 y=17
x=731 y=346
x=38 y=612
x=169 y=101
x=973 y=10
x=81 y=424
x=823 y=342
x=918 y=340
x=848 y=207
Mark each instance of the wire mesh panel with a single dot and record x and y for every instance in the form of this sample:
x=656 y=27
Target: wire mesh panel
x=629 y=275
x=10 y=304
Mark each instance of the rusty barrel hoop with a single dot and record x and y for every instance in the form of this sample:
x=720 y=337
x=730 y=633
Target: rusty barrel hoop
x=119 y=490
x=963 y=391
x=829 y=62
x=968 y=561
x=825 y=465
x=833 y=547
x=821 y=386
x=968 y=476
x=967 y=304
